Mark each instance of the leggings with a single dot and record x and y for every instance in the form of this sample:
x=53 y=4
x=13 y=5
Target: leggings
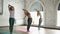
x=29 y=23
x=11 y=23
x=40 y=20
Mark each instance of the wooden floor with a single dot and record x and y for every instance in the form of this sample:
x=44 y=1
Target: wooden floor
x=33 y=30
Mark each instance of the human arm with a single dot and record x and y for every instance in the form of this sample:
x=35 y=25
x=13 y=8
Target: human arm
x=15 y=21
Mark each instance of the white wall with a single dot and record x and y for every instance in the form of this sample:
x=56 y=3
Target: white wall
x=1 y=3
x=18 y=5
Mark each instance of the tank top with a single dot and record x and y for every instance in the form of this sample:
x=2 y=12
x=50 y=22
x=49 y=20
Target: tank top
x=11 y=14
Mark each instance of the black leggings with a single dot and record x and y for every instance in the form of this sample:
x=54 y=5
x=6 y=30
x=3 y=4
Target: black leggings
x=29 y=23
x=11 y=22
x=40 y=20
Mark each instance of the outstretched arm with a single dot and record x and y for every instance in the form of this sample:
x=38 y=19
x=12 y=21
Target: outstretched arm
x=15 y=21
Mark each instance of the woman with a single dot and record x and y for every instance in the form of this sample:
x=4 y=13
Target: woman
x=11 y=18
x=29 y=18
x=40 y=18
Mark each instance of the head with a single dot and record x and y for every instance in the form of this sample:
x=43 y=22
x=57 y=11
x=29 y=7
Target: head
x=10 y=7
x=37 y=10
x=25 y=10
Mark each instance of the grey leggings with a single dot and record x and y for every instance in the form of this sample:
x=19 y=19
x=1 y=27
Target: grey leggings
x=40 y=20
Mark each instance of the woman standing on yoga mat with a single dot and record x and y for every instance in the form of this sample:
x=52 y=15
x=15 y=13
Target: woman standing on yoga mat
x=11 y=18
x=40 y=18
x=29 y=18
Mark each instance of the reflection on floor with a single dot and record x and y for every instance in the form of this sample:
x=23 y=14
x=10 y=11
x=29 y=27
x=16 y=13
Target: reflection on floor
x=33 y=30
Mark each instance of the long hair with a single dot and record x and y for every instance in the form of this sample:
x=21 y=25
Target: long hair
x=38 y=13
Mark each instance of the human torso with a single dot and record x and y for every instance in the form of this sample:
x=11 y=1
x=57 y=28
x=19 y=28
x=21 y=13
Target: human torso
x=28 y=15
x=11 y=14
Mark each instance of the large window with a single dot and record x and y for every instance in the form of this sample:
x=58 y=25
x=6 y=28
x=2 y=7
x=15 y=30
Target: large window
x=36 y=5
x=58 y=15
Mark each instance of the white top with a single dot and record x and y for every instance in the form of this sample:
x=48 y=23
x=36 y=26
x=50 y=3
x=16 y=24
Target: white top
x=11 y=14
